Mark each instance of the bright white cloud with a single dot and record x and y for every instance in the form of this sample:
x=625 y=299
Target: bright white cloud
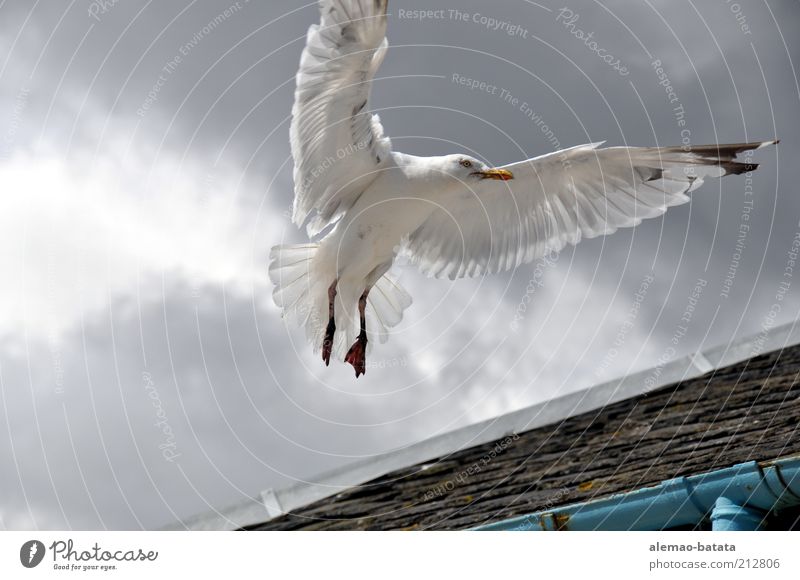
x=76 y=234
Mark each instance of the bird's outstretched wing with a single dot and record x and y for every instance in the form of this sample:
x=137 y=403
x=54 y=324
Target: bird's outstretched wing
x=561 y=198
x=337 y=144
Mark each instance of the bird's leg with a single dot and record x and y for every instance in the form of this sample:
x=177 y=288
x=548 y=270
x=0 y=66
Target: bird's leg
x=357 y=355
x=327 y=343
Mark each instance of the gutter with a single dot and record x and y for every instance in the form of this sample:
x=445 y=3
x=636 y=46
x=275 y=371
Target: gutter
x=734 y=499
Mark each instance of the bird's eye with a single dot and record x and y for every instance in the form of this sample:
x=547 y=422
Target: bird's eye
x=465 y=163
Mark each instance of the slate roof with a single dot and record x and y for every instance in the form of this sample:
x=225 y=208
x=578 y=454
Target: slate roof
x=741 y=412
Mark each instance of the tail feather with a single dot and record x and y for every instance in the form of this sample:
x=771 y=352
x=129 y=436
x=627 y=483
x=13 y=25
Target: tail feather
x=300 y=289
x=386 y=302
x=289 y=271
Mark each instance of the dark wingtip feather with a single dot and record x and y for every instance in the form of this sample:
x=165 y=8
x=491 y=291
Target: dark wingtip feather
x=726 y=150
x=725 y=155
x=655 y=174
x=734 y=168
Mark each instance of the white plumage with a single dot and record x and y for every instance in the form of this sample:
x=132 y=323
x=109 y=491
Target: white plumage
x=454 y=215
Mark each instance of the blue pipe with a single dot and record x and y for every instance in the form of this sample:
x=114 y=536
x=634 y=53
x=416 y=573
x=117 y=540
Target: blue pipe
x=736 y=497
x=729 y=516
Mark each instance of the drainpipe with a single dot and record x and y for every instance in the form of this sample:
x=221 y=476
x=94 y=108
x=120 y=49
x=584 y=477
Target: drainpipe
x=729 y=516
x=737 y=497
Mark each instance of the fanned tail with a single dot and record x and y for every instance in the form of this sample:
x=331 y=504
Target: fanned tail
x=300 y=289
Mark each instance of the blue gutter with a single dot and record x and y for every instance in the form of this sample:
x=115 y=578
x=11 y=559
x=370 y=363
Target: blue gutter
x=734 y=498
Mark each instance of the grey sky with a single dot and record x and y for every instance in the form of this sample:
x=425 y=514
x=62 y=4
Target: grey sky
x=144 y=161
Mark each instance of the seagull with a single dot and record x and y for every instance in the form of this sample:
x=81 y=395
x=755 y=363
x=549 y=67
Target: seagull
x=453 y=216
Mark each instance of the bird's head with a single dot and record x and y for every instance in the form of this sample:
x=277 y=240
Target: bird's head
x=469 y=169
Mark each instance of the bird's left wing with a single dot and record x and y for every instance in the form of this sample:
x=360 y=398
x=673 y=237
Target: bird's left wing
x=560 y=198
x=337 y=144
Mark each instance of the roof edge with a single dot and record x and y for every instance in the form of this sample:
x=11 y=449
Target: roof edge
x=273 y=503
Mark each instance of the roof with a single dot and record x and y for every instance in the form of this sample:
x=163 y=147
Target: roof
x=742 y=412
x=709 y=410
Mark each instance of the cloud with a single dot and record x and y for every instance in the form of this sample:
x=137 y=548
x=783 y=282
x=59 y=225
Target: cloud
x=82 y=231
x=136 y=311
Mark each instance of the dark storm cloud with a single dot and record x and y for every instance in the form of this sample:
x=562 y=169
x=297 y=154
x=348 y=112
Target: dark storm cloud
x=146 y=413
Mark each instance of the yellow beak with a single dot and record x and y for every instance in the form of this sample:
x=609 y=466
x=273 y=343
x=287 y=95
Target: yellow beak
x=501 y=174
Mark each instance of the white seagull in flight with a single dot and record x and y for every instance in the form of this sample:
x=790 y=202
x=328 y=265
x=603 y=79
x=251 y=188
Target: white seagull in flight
x=453 y=215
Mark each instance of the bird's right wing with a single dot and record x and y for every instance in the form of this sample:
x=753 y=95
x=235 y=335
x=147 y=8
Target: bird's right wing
x=561 y=198
x=338 y=146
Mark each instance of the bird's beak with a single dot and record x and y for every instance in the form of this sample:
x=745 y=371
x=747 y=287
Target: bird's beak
x=501 y=174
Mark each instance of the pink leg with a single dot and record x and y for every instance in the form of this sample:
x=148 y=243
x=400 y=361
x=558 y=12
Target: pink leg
x=327 y=343
x=357 y=355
